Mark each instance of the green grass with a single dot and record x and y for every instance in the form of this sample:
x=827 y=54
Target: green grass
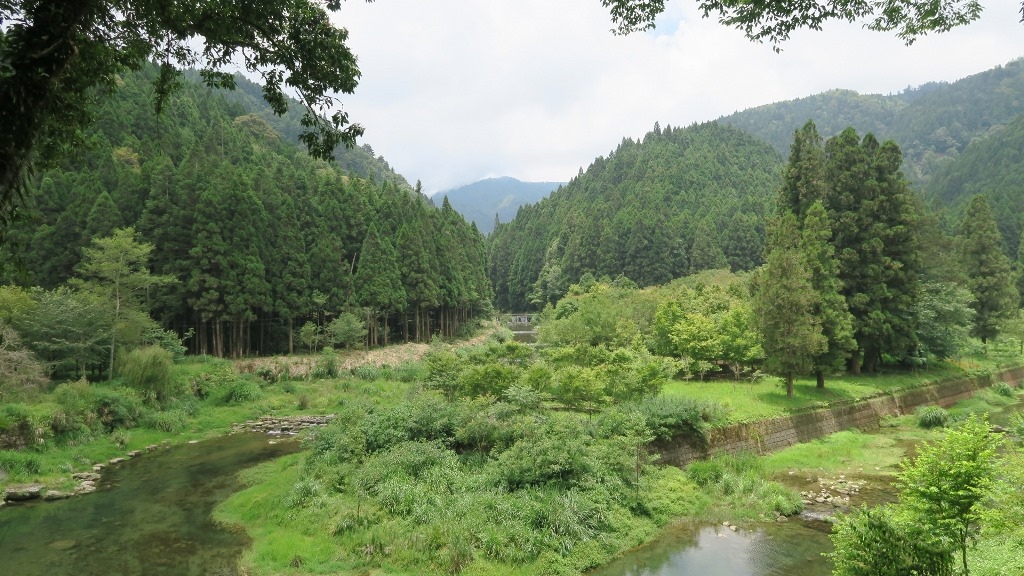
x=749 y=401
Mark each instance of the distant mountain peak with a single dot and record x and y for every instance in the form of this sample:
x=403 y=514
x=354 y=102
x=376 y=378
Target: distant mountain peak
x=499 y=195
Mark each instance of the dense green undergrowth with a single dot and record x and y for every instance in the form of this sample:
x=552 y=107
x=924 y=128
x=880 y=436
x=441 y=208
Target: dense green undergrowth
x=491 y=459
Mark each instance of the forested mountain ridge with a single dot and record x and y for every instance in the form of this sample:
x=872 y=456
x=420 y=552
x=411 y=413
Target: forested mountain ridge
x=485 y=200
x=993 y=166
x=258 y=237
x=359 y=161
x=679 y=201
x=932 y=123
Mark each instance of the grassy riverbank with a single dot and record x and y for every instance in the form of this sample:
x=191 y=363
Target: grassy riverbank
x=430 y=467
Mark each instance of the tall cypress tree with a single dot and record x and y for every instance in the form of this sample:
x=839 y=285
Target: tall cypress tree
x=803 y=179
x=989 y=276
x=378 y=282
x=784 y=305
x=831 y=309
x=873 y=221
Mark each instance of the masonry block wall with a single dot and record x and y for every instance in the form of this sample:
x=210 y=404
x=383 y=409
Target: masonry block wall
x=777 y=433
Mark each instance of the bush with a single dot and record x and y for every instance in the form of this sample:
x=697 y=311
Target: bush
x=1003 y=389
x=371 y=373
x=244 y=391
x=932 y=417
x=671 y=416
x=326 y=365
x=148 y=370
x=121 y=437
x=116 y=407
x=168 y=340
x=346 y=331
x=16 y=429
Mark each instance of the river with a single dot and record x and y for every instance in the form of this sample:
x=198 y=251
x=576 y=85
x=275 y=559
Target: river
x=150 y=516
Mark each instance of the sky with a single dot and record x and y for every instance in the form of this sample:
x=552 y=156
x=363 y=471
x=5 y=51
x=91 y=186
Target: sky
x=454 y=91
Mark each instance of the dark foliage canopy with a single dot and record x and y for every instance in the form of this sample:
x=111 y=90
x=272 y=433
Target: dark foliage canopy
x=56 y=58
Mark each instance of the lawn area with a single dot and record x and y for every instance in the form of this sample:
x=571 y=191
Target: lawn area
x=747 y=400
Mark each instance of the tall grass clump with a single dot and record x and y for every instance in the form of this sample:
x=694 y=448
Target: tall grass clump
x=740 y=483
x=243 y=391
x=932 y=417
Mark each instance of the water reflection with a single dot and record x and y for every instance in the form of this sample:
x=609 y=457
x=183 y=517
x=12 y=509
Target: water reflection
x=780 y=549
x=150 y=516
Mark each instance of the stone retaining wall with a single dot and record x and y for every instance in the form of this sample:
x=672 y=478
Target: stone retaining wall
x=777 y=433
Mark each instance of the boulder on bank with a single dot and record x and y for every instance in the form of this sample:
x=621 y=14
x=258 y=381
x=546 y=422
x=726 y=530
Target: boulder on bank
x=21 y=492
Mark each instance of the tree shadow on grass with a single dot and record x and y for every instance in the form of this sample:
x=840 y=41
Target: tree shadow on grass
x=806 y=397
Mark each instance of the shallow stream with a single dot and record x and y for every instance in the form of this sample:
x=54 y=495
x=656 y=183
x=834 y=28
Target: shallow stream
x=150 y=516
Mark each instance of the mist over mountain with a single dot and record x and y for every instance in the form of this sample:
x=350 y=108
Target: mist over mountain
x=480 y=201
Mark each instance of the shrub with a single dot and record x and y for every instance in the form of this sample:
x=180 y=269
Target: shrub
x=326 y=365
x=148 y=370
x=168 y=340
x=116 y=407
x=121 y=437
x=671 y=416
x=932 y=417
x=371 y=373
x=303 y=402
x=443 y=369
x=244 y=391
x=346 y=331
x=410 y=372
x=304 y=492
x=16 y=429
x=1003 y=389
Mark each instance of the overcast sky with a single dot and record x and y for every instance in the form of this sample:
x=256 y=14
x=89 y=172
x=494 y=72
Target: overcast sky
x=453 y=91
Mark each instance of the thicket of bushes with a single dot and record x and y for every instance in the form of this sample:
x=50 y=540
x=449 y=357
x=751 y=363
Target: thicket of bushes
x=494 y=479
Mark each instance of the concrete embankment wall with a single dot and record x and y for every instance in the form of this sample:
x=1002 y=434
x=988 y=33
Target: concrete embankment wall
x=777 y=433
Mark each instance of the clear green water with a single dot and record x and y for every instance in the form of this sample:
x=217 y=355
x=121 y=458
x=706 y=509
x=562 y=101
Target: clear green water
x=781 y=549
x=150 y=516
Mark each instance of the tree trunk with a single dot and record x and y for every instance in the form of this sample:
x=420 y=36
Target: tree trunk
x=821 y=379
x=870 y=360
x=853 y=365
x=789 y=384
x=291 y=335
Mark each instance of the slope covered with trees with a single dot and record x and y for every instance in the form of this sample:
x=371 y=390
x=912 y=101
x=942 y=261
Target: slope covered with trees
x=993 y=166
x=932 y=123
x=677 y=202
x=257 y=237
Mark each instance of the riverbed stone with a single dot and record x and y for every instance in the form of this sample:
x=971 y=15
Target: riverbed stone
x=116 y=460
x=56 y=495
x=134 y=453
x=20 y=492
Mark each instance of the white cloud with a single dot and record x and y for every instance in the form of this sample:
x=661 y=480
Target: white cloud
x=457 y=90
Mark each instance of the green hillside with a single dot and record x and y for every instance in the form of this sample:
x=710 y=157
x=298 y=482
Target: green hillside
x=932 y=124
x=259 y=237
x=679 y=201
x=993 y=166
